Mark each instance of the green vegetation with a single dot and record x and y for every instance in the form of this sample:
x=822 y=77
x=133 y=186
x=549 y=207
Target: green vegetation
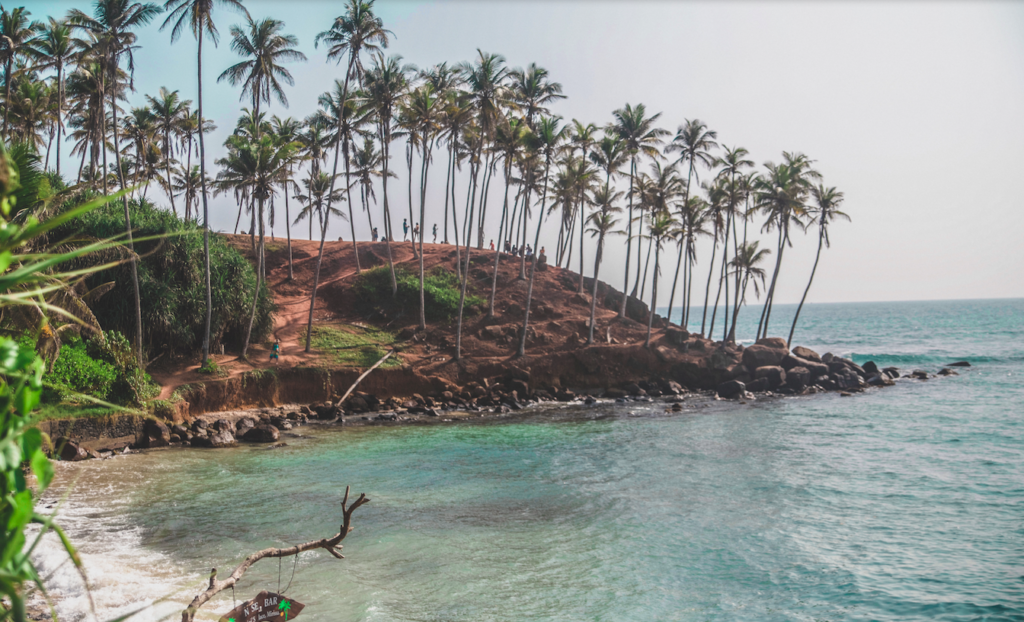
x=440 y=291
x=212 y=368
x=353 y=346
x=171 y=282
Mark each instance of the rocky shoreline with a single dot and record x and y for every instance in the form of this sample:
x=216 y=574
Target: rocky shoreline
x=766 y=369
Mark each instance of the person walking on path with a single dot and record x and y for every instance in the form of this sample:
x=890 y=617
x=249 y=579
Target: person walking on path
x=435 y=233
x=405 y=229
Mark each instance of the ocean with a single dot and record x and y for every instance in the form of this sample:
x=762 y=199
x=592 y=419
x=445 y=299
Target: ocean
x=904 y=503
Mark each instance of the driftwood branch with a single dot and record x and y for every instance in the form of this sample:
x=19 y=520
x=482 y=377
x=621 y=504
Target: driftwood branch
x=332 y=545
x=363 y=375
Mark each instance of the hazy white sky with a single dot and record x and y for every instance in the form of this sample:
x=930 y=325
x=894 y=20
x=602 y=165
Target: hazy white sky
x=914 y=110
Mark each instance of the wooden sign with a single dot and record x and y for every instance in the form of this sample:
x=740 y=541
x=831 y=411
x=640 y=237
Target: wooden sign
x=266 y=607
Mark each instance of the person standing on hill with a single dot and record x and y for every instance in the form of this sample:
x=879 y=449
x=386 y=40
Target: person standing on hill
x=492 y=245
x=435 y=233
x=405 y=229
x=375 y=234
x=416 y=232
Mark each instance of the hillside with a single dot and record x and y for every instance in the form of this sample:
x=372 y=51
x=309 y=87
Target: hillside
x=558 y=321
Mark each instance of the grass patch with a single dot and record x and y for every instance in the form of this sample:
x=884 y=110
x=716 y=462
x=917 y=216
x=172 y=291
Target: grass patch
x=353 y=346
x=63 y=410
x=441 y=291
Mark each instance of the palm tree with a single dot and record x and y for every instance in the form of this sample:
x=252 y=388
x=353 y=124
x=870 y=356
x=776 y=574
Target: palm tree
x=358 y=30
x=384 y=85
x=53 y=48
x=168 y=111
x=16 y=33
x=367 y=165
x=112 y=27
x=732 y=163
x=826 y=209
x=548 y=137
x=265 y=48
x=260 y=164
x=287 y=130
x=639 y=137
x=186 y=184
x=782 y=195
x=423 y=109
x=602 y=222
x=317 y=199
x=532 y=92
x=508 y=140
x=660 y=228
x=745 y=264
x=695 y=141
x=197 y=16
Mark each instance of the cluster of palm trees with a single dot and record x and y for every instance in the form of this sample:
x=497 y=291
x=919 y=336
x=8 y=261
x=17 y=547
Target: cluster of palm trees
x=482 y=117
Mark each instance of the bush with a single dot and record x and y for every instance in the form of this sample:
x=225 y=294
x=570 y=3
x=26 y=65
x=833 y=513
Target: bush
x=441 y=291
x=171 y=282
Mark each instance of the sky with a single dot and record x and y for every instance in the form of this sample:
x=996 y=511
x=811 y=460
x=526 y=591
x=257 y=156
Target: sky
x=914 y=110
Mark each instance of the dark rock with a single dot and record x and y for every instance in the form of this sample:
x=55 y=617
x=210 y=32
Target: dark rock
x=430 y=412
x=807 y=354
x=180 y=430
x=175 y=438
x=777 y=343
x=70 y=451
x=565 y=395
x=223 y=425
x=155 y=434
x=633 y=389
x=798 y=378
x=760 y=356
x=677 y=407
x=305 y=410
x=671 y=387
x=589 y=400
x=760 y=385
x=676 y=336
x=845 y=394
x=263 y=433
x=945 y=371
x=816 y=369
x=825 y=383
x=880 y=380
x=892 y=372
x=776 y=375
x=503 y=409
x=871 y=369
x=827 y=357
x=731 y=389
x=520 y=387
x=394 y=417
x=355 y=404
x=222 y=438
x=958 y=364
x=543 y=395
x=406 y=333
x=721 y=359
x=199 y=424
x=615 y=394
x=920 y=374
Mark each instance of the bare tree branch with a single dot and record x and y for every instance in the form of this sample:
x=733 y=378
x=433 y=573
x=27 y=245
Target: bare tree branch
x=332 y=545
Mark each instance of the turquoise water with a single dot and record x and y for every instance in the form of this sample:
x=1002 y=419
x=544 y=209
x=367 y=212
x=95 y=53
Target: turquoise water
x=899 y=504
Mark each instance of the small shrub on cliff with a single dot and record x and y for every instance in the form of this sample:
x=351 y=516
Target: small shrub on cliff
x=440 y=292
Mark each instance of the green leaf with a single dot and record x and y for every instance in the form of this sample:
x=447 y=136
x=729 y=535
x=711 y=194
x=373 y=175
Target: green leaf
x=42 y=468
x=21 y=504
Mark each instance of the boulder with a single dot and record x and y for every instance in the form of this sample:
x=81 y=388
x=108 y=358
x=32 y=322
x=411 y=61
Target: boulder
x=70 y=451
x=634 y=389
x=880 y=380
x=199 y=424
x=356 y=404
x=892 y=372
x=676 y=336
x=773 y=342
x=721 y=359
x=776 y=375
x=817 y=369
x=565 y=395
x=761 y=355
x=920 y=374
x=760 y=385
x=180 y=430
x=218 y=439
x=491 y=332
x=520 y=387
x=243 y=425
x=825 y=383
x=155 y=434
x=263 y=433
x=844 y=377
x=827 y=357
x=671 y=387
x=807 y=354
x=731 y=389
x=798 y=377
x=223 y=425
x=958 y=364
x=945 y=371
x=871 y=369
x=614 y=393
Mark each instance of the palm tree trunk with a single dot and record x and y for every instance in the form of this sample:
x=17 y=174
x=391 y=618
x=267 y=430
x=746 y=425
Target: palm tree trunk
x=497 y=249
x=582 y=232
x=707 y=288
x=766 y=311
x=526 y=213
x=351 y=215
x=447 y=180
x=533 y=264
x=167 y=157
x=803 y=298
x=654 y=294
x=60 y=110
x=288 y=231
x=455 y=229
x=675 y=281
x=131 y=246
x=593 y=294
x=385 y=132
x=474 y=169
x=412 y=220
x=316 y=283
x=259 y=284
x=639 y=248
x=424 y=171
x=629 y=237
x=7 y=94
x=647 y=264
